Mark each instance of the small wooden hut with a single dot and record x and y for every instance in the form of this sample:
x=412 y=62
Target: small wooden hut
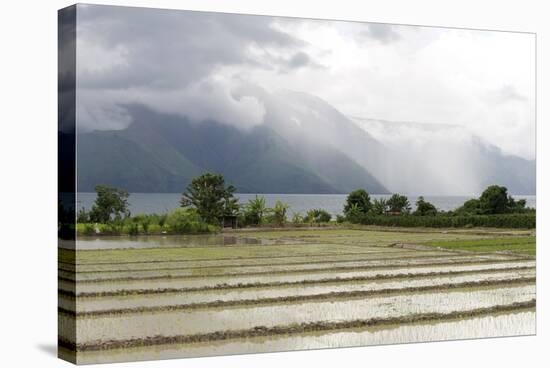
x=229 y=221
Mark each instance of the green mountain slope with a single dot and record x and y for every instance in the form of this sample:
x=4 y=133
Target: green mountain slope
x=161 y=153
x=110 y=158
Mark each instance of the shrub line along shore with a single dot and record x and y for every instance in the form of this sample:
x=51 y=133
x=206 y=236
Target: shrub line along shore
x=208 y=205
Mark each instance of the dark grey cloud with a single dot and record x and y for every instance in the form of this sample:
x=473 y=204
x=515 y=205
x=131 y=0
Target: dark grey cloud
x=169 y=60
x=167 y=48
x=66 y=77
x=299 y=60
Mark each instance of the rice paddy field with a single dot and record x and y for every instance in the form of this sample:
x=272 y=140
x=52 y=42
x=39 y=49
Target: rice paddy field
x=160 y=297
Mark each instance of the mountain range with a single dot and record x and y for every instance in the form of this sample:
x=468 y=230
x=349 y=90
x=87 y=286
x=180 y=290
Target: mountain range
x=303 y=145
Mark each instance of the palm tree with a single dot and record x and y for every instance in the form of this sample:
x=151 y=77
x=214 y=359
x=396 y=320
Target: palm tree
x=254 y=210
x=279 y=213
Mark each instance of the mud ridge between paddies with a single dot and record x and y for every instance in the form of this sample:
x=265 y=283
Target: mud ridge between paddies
x=383 y=249
x=334 y=280
x=397 y=256
x=304 y=298
x=292 y=329
x=284 y=272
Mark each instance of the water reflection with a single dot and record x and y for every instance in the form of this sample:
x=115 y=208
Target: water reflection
x=168 y=241
x=511 y=324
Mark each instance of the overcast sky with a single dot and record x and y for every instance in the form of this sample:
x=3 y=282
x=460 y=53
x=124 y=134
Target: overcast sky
x=193 y=63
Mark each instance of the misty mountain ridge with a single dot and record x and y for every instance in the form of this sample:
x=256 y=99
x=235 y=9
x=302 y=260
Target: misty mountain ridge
x=162 y=153
x=450 y=156
x=303 y=145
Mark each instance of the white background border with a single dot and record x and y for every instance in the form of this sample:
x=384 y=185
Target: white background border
x=28 y=201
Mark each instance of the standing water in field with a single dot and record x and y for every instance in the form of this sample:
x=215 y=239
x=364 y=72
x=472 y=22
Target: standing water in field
x=498 y=325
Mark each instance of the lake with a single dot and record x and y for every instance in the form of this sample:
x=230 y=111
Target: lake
x=333 y=203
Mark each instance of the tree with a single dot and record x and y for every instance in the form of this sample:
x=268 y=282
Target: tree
x=278 y=213
x=210 y=197
x=494 y=200
x=82 y=217
x=517 y=206
x=297 y=218
x=379 y=206
x=254 y=211
x=111 y=204
x=470 y=207
x=231 y=206
x=424 y=208
x=399 y=204
x=357 y=201
x=355 y=215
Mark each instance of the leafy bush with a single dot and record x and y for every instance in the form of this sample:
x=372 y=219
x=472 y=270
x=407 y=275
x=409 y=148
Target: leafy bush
x=161 y=219
x=379 y=206
x=424 y=208
x=82 y=217
x=516 y=221
x=494 y=200
x=355 y=214
x=112 y=228
x=470 y=207
x=277 y=214
x=145 y=221
x=254 y=211
x=317 y=215
x=357 y=201
x=297 y=218
x=155 y=229
x=399 y=204
x=187 y=221
x=89 y=229
x=133 y=229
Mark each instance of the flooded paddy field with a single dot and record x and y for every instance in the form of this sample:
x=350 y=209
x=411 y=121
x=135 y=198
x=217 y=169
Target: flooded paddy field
x=252 y=291
x=243 y=270
x=133 y=303
x=498 y=325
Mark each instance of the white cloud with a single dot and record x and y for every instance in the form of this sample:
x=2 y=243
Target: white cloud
x=212 y=98
x=428 y=75
x=190 y=63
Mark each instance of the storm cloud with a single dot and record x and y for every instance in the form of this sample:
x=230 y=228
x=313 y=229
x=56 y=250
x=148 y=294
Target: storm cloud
x=173 y=61
x=195 y=64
